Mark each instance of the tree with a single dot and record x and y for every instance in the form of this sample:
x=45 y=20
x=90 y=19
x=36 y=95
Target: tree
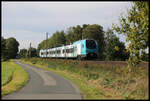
x=11 y=47
x=135 y=27
x=75 y=33
x=3 y=48
x=114 y=50
x=96 y=32
x=32 y=52
x=59 y=38
x=39 y=48
x=22 y=53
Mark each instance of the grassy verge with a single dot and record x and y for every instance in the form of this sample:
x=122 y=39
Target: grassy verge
x=99 y=81
x=18 y=75
x=7 y=72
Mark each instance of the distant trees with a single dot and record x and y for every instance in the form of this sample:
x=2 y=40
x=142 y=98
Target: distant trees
x=22 y=53
x=57 y=39
x=32 y=52
x=9 y=48
x=135 y=27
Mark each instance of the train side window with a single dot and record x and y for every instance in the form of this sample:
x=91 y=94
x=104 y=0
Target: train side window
x=71 y=50
x=82 y=45
x=76 y=48
x=67 y=50
x=58 y=51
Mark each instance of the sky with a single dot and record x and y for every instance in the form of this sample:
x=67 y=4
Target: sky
x=29 y=21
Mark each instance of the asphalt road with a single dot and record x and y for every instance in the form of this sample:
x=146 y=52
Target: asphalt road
x=45 y=85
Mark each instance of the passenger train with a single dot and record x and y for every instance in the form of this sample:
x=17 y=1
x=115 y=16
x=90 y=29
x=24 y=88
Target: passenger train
x=82 y=49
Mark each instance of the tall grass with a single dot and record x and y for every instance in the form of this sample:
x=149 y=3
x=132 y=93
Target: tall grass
x=105 y=81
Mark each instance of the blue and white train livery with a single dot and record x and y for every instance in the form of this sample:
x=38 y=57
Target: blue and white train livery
x=82 y=49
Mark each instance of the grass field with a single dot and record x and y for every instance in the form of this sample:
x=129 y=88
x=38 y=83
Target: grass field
x=13 y=77
x=100 y=81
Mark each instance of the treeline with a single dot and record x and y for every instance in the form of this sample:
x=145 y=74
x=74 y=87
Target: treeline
x=27 y=53
x=110 y=47
x=9 y=48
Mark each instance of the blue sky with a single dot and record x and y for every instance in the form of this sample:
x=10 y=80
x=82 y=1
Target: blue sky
x=29 y=21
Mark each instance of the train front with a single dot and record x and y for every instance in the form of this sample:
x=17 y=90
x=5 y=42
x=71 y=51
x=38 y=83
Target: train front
x=91 y=49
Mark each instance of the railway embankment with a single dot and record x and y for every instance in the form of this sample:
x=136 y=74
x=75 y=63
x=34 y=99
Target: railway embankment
x=97 y=80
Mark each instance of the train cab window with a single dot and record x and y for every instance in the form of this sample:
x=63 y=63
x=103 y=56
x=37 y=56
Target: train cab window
x=90 y=44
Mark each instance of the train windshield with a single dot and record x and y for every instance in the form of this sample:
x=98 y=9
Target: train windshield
x=90 y=44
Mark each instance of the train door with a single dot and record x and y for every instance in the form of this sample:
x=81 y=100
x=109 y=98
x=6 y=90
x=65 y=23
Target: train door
x=78 y=49
x=75 y=51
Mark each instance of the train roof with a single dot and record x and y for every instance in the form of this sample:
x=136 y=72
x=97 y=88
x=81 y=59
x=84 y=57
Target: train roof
x=82 y=40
